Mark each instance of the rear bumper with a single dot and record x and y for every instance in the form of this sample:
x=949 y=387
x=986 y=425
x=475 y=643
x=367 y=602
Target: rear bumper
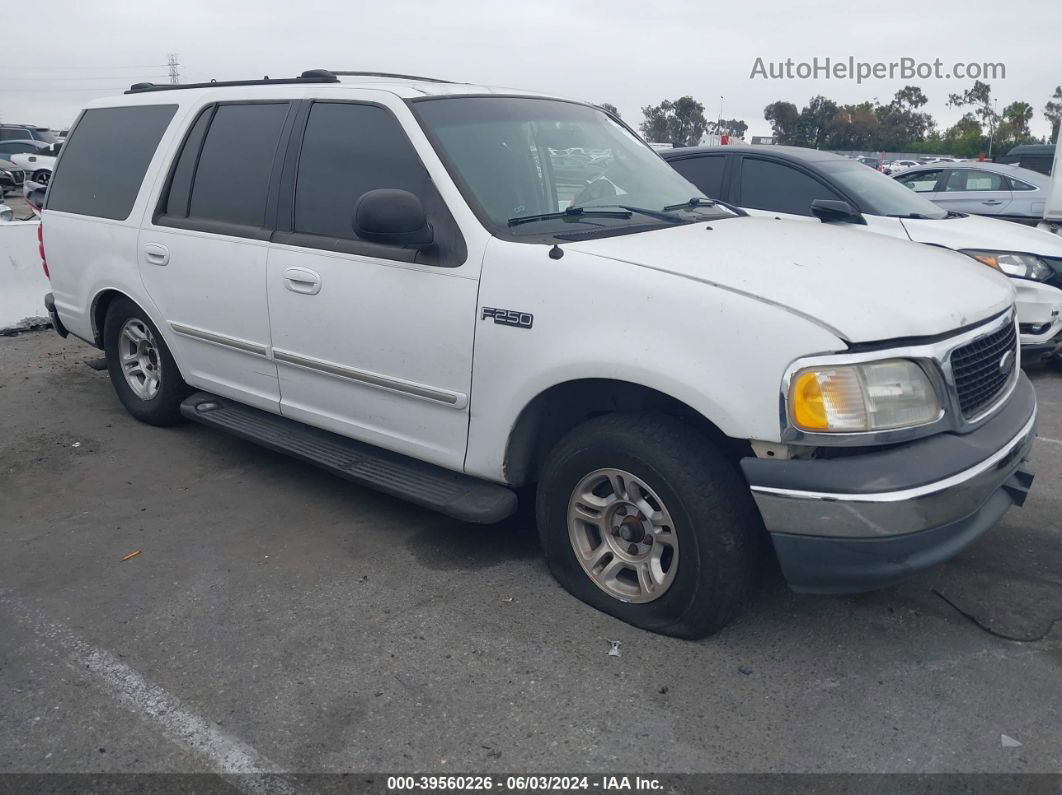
x=868 y=521
x=57 y=324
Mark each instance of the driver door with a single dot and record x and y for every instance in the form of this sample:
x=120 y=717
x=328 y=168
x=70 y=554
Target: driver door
x=370 y=341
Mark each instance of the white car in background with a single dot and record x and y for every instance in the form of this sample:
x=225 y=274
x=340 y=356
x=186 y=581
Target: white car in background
x=814 y=186
x=896 y=166
x=35 y=158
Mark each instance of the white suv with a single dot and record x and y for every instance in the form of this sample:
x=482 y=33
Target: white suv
x=394 y=279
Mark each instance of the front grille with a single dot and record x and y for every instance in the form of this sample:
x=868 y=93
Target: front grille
x=18 y=176
x=982 y=369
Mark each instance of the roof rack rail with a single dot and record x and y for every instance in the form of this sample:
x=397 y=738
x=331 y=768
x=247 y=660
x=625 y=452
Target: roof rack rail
x=343 y=73
x=309 y=76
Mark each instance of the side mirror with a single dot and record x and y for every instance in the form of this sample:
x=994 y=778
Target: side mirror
x=392 y=217
x=827 y=210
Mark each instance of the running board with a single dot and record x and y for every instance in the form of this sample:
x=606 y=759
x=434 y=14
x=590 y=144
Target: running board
x=452 y=493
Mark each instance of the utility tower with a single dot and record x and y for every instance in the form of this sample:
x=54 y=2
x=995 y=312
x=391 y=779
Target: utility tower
x=175 y=75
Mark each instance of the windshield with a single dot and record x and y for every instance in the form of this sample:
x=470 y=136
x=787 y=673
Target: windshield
x=881 y=195
x=528 y=165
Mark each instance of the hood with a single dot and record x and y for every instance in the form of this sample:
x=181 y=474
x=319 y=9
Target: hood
x=975 y=231
x=863 y=288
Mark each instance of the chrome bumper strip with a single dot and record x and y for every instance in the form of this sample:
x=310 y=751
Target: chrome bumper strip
x=821 y=513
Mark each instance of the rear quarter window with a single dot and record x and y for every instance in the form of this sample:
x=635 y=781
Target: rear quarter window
x=105 y=159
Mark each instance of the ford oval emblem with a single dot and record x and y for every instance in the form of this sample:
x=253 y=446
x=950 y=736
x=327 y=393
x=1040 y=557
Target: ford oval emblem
x=1005 y=362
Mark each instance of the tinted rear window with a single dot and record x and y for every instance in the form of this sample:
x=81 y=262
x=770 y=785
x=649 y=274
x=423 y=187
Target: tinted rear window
x=105 y=160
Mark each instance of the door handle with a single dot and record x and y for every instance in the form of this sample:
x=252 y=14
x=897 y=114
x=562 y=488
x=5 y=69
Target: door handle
x=992 y=202
x=302 y=280
x=156 y=254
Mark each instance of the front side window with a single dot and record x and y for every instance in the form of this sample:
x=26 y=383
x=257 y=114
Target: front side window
x=779 y=188
x=965 y=179
x=349 y=150
x=921 y=181
x=105 y=160
x=534 y=167
x=877 y=193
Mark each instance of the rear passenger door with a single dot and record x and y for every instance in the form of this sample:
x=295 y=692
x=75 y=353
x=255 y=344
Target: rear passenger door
x=371 y=341
x=969 y=190
x=203 y=251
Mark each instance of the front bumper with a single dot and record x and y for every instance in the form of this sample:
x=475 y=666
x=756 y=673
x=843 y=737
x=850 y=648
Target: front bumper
x=869 y=520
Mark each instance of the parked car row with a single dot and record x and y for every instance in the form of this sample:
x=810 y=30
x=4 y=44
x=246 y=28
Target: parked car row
x=996 y=190
x=35 y=158
x=384 y=276
x=814 y=186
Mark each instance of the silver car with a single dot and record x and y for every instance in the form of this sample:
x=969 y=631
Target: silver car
x=1000 y=191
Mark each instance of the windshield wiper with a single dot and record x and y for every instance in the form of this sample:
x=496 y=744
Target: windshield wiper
x=914 y=216
x=570 y=213
x=662 y=215
x=700 y=201
x=696 y=201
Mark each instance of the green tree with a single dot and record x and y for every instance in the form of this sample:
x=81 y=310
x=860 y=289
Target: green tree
x=815 y=120
x=784 y=119
x=1018 y=115
x=680 y=123
x=610 y=108
x=1053 y=112
x=735 y=128
x=901 y=124
x=854 y=127
x=980 y=99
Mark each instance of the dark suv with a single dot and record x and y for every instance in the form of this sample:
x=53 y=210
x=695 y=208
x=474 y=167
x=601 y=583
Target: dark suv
x=26 y=132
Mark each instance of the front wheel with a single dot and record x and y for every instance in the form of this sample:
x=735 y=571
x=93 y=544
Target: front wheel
x=643 y=518
x=142 y=371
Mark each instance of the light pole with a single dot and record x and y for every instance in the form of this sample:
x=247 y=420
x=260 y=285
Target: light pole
x=719 y=121
x=992 y=127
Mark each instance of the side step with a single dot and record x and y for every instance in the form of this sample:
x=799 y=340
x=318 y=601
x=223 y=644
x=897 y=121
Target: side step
x=460 y=496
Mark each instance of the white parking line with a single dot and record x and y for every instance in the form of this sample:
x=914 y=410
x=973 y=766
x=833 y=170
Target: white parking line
x=227 y=755
x=1045 y=439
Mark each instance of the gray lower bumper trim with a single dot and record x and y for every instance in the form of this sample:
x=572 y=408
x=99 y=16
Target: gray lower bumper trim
x=890 y=513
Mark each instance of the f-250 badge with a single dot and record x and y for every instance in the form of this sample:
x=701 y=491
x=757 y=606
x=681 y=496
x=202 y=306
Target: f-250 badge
x=508 y=317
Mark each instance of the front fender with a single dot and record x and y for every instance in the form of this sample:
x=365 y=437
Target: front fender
x=719 y=352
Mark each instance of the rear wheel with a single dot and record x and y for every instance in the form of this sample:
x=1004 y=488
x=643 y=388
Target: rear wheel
x=646 y=520
x=142 y=371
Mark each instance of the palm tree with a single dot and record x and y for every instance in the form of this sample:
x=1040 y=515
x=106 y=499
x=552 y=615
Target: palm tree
x=1053 y=112
x=1019 y=114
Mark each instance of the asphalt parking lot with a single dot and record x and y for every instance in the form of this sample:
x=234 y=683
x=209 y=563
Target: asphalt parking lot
x=278 y=618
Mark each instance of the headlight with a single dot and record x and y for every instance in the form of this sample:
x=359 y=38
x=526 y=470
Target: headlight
x=1025 y=266
x=852 y=398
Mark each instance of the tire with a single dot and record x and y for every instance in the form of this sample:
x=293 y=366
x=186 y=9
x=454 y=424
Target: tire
x=162 y=406
x=700 y=495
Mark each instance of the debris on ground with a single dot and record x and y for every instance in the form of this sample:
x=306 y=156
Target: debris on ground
x=132 y=554
x=744 y=669
x=1008 y=742
x=614 y=650
x=99 y=364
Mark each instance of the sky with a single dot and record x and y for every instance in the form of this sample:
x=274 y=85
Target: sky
x=617 y=51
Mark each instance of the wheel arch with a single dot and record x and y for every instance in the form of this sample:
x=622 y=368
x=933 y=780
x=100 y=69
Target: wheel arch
x=101 y=303
x=561 y=407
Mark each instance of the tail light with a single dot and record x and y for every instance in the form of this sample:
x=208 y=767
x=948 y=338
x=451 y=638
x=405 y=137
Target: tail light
x=40 y=248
